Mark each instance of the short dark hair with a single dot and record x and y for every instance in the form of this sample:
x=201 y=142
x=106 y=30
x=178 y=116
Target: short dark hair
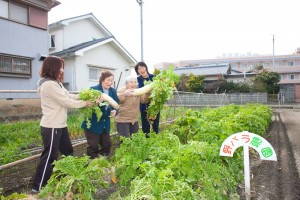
x=51 y=67
x=104 y=75
x=143 y=64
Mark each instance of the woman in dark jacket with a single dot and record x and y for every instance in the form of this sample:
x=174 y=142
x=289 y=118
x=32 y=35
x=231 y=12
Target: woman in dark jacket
x=143 y=75
x=98 y=133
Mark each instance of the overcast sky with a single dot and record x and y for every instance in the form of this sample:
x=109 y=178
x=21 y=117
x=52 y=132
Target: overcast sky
x=193 y=29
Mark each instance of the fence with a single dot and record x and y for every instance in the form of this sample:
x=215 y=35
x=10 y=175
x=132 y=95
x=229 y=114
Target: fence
x=14 y=106
x=203 y=99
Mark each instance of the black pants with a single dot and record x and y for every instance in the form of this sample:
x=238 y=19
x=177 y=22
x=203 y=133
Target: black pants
x=54 y=140
x=93 y=141
x=146 y=124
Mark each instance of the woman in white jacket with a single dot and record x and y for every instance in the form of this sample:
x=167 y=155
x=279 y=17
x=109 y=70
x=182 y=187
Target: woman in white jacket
x=55 y=100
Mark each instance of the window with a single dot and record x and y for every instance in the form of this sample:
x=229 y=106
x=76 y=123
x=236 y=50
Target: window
x=15 y=66
x=265 y=65
x=234 y=66
x=243 y=65
x=18 y=13
x=94 y=73
x=52 y=41
x=278 y=64
x=3 y=9
x=290 y=63
x=291 y=76
x=38 y=18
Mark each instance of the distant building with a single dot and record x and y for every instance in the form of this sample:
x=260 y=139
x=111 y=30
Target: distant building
x=23 y=39
x=288 y=66
x=214 y=73
x=88 y=48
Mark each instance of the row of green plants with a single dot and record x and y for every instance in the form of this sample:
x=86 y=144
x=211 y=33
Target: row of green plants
x=17 y=138
x=182 y=162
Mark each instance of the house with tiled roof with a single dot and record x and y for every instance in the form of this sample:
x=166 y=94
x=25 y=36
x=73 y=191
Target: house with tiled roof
x=288 y=66
x=88 y=48
x=213 y=73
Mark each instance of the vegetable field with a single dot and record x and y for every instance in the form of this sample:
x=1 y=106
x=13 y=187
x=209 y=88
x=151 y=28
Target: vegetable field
x=181 y=162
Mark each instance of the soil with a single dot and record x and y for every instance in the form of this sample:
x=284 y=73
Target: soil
x=19 y=177
x=271 y=180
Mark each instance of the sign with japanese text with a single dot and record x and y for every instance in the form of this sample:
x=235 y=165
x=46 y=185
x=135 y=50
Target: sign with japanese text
x=245 y=138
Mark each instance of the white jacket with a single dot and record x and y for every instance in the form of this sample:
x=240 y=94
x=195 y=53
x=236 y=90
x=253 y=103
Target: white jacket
x=55 y=100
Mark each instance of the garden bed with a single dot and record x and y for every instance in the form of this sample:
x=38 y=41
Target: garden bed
x=270 y=180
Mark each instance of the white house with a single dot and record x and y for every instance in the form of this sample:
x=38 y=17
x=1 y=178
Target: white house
x=88 y=48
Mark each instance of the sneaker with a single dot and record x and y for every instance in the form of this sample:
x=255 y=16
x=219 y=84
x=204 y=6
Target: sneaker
x=34 y=191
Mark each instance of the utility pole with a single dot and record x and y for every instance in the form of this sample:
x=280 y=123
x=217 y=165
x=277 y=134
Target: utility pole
x=140 y=2
x=273 y=53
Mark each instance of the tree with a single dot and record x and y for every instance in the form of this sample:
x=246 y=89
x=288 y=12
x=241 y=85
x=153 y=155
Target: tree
x=195 y=83
x=227 y=86
x=181 y=86
x=267 y=82
x=258 y=68
x=244 y=87
x=230 y=86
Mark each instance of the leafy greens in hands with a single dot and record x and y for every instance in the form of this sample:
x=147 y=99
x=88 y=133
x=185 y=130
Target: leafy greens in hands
x=91 y=95
x=162 y=90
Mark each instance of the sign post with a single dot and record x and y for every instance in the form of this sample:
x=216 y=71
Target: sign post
x=247 y=139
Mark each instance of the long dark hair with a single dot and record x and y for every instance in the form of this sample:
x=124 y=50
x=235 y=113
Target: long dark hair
x=51 y=67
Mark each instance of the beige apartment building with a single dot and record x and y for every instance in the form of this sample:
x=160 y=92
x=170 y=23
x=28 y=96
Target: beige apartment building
x=288 y=66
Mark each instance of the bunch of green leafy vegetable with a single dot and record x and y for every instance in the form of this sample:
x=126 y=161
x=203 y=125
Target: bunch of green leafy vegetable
x=184 y=160
x=162 y=90
x=91 y=95
x=160 y=167
x=77 y=177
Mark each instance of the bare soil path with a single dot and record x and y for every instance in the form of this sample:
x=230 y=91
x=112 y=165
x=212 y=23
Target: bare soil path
x=279 y=180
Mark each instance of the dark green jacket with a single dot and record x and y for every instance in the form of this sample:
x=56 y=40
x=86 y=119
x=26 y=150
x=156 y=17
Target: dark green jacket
x=104 y=123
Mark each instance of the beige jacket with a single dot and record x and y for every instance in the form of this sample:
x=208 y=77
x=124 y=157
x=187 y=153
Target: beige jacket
x=129 y=106
x=55 y=100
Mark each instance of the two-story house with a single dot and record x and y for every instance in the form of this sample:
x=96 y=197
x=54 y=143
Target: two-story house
x=88 y=48
x=23 y=39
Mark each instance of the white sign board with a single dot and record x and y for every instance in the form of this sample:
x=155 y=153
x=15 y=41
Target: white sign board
x=246 y=140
